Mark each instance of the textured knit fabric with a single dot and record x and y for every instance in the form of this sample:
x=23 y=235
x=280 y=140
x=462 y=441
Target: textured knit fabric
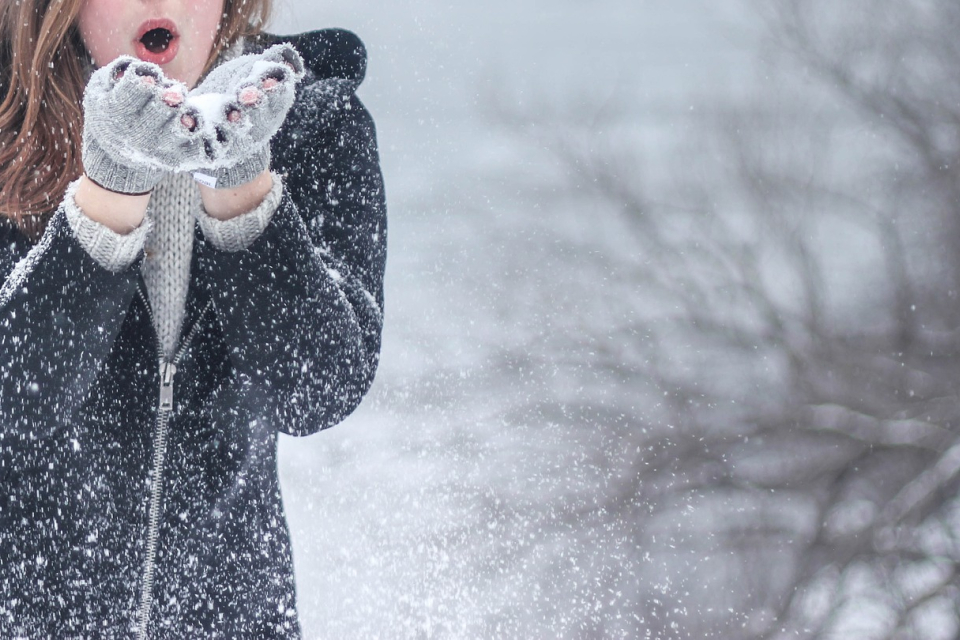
x=166 y=234
x=130 y=135
x=166 y=265
x=119 y=512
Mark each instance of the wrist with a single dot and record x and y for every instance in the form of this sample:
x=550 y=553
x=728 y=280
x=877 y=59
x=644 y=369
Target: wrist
x=118 y=212
x=224 y=204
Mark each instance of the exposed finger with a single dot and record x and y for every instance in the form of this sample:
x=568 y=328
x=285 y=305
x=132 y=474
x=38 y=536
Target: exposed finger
x=272 y=74
x=173 y=96
x=189 y=121
x=149 y=73
x=120 y=69
x=286 y=54
x=249 y=96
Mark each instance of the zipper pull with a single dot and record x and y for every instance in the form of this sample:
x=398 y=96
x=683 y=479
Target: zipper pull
x=167 y=371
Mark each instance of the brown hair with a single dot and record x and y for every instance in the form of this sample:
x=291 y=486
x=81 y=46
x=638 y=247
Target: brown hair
x=43 y=71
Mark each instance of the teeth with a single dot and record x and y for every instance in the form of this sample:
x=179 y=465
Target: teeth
x=157 y=40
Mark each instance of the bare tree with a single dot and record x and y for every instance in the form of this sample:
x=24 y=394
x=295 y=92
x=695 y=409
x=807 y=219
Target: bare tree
x=781 y=339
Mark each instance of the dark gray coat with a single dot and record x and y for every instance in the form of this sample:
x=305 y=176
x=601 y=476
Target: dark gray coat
x=284 y=336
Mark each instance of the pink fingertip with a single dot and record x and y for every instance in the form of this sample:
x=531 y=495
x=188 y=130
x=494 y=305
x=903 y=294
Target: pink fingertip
x=172 y=97
x=148 y=80
x=188 y=121
x=270 y=83
x=249 y=96
x=234 y=115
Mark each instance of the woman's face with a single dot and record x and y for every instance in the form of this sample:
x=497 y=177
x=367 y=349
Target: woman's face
x=178 y=35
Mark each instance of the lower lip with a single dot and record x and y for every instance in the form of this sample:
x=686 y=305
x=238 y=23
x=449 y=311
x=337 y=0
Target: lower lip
x=163 y=57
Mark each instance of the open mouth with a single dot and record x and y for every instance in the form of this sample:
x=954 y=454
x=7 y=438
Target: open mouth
x=157 y=41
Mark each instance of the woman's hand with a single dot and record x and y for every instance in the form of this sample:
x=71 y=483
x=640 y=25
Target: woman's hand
x=238 y=108
x=136 y=126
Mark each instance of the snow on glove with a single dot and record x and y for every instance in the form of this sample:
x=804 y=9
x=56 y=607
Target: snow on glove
x=132 y=126
x=238 y=108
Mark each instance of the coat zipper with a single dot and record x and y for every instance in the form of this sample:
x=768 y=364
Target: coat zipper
x=165 y=406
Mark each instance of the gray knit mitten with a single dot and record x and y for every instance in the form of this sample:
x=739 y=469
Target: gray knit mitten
x=238 y=108
x=132 y=126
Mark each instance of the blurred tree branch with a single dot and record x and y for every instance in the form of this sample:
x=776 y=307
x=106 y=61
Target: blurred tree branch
x=792 y=296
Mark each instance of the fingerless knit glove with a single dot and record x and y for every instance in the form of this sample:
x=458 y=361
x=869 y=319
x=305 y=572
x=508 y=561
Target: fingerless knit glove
x=133 y=130
x=238 y=108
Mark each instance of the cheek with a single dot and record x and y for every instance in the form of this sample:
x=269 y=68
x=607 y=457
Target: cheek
x=101 y=26
x=205 y=18
x=197 y=36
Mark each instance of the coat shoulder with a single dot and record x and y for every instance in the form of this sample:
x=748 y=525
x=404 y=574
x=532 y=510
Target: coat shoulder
x=327 y=53
x=14 y=241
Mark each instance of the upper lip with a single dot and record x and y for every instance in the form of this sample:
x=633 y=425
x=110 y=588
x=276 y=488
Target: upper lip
x=157 y=23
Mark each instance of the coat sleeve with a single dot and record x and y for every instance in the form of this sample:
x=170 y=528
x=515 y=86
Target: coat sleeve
x=301 y=307
x=60 y=312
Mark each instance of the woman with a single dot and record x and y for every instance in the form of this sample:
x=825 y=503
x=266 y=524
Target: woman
x=157 y=332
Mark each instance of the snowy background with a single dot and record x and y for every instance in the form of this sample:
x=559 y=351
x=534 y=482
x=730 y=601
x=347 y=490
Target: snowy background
x=670 y=326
